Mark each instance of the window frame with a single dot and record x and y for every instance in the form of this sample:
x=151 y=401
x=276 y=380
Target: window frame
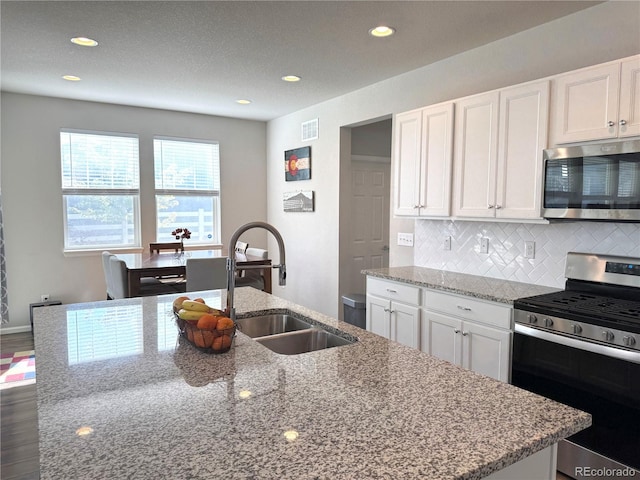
x=213 y=193
x=96 y=192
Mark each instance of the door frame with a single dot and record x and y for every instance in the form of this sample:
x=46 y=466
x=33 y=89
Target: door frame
x=345 y=208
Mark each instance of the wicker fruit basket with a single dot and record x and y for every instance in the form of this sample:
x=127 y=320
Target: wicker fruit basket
x=210 y=340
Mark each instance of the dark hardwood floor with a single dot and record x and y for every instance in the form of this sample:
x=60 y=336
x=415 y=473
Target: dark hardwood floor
x=19 y=455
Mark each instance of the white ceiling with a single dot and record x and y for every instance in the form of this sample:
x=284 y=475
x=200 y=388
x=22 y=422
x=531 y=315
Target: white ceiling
x=201 y=56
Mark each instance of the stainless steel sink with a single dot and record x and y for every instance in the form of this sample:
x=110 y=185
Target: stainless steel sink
x=303 y=341
x=273 y=324
x=289 y=335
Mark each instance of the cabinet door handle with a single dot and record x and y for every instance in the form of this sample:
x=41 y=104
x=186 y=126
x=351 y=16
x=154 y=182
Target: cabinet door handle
x=391 y=290
x=456 y=330
x=466 y=309
x=623 y=122
x=498 y=207
x=490 y=206
x=465 y=334
x=610 y=123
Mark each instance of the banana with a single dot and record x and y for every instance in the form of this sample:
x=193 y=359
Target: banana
x=190 y=314
x=195 y=306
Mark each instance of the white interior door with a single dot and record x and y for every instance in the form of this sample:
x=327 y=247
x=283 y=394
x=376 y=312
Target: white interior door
x=369 y=229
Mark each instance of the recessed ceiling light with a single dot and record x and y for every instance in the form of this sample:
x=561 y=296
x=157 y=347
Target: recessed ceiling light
x=84 y=41
x=291 y=78
x=382 y=31
x=71 y=78
x=243 y=101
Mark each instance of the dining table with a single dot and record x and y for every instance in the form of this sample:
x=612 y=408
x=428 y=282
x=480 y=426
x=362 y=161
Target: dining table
x=164 y=264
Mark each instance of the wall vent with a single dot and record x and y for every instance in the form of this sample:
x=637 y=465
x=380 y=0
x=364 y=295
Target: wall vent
x=310 y=130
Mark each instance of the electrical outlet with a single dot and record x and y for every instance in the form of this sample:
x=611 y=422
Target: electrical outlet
x=446 y=245
x=484 y=245
x=44 y=297
x=529 y=249
x=405 y=239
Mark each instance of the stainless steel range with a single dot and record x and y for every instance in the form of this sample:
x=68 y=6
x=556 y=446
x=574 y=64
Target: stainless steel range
x=581 y=347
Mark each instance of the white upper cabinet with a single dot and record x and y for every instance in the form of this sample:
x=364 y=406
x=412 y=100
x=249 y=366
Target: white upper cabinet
x=423 y=141
x=475 y=147
x=522 y=136
x=498 y=143
x=597 y=103
x=629 y=123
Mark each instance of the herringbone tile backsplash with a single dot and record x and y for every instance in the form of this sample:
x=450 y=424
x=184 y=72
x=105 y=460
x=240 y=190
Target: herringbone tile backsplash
x=506 y=259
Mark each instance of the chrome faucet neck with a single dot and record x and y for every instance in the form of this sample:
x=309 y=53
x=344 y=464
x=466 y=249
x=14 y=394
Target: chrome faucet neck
x=232 y=267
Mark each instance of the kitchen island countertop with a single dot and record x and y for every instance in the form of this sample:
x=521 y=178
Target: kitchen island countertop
x=121 y=396
x=486 y=288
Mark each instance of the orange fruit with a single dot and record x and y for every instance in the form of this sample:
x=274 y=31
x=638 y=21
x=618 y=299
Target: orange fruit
x=208 y=321
x=201 y=300
x=224 y=323
x=203 y=338
x=189 y=333
x=221 y=342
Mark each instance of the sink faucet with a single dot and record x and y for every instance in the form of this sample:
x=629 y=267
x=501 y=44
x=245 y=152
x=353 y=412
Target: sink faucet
x=231 y=261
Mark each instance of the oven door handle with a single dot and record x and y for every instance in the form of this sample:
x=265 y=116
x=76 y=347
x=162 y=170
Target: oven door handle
x=618 y=353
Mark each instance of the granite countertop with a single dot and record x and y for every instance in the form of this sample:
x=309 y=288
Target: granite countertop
x=486 y=288
x=158 y=408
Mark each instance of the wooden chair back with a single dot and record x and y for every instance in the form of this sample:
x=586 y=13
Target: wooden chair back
x=157 y=247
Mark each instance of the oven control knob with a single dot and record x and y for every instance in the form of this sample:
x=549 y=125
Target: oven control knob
x=575 y=328
x=548 y=322
x=532 y=318
x=607 y=335
x=629 y=341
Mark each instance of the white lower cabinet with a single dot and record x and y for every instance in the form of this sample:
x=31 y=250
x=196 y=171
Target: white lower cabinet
x=393 y=311
x=475 y=334
x=467 y=332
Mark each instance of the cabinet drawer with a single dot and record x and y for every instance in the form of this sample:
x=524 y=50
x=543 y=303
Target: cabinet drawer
x=489 y=313
x=401 y=292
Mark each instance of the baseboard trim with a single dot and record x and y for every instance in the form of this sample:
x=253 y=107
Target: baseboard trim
x=8 y=330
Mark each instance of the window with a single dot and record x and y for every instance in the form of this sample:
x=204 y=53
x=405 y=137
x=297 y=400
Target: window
x=101 y=190
x=187 y=180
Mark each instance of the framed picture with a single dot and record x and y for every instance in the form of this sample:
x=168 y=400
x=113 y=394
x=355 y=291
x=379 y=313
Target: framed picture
x=297 y=164
x=301 y=201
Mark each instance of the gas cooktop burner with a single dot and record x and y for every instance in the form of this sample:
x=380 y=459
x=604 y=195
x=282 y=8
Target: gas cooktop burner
x=586 y=307
x=567 y=301
x=601 y=302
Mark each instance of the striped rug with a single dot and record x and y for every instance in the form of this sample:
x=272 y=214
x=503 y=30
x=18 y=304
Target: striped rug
x=17 y=369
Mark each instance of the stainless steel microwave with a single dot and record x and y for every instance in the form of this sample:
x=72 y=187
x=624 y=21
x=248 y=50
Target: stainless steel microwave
x=593 y=182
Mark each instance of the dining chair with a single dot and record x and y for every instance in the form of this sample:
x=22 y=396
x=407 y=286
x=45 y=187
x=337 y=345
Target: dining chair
x=257 y=252
x=206 y=273
x=252 y=277
x=119 y=278
x=106 y=267
x=157 y=247
x=241 y=247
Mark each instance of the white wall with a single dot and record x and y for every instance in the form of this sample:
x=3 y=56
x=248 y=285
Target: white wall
x=602 y=33
x=31 y=191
